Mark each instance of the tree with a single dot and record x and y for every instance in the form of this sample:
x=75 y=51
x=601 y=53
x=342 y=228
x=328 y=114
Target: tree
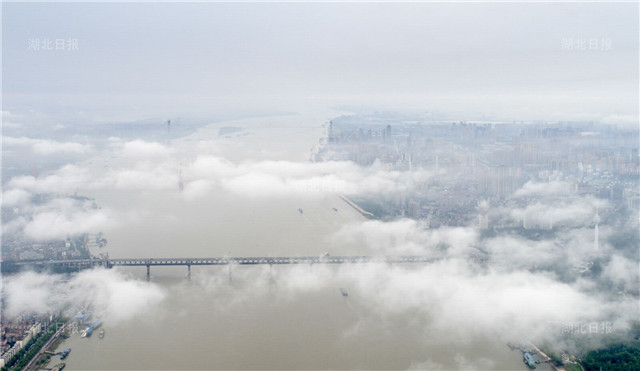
x=617 y=357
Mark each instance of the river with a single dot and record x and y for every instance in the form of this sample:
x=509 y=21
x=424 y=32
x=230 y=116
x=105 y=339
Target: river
x=257 y=317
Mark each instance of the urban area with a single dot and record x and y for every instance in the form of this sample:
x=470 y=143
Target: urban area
x=498 y=177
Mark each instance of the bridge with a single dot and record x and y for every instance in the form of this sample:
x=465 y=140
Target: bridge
x=229 y=261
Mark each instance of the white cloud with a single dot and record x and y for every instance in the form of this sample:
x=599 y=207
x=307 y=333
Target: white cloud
x=511 y=253
x=151 y=166
x=623 y=272
x=407 y=237
x=568 y=212
x=46 y=147
x=53 y=224
x=112 y=295
x=67 y=179
x=449 y=299
x=533 y=189
x=58 y=217
x=139 y=149
x=15 y=197
x=198 y=189
x=28 y=292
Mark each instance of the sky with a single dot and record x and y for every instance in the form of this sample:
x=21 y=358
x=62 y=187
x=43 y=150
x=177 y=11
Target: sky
x=504 y=60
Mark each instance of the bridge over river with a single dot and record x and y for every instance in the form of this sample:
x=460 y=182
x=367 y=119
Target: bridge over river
x=229 y=261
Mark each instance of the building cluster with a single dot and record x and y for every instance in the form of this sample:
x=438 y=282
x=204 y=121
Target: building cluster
x=474 y=163
x=16 y=248
x=16 y=334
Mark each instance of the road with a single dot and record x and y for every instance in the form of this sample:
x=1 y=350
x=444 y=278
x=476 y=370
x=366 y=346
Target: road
x=32 y=365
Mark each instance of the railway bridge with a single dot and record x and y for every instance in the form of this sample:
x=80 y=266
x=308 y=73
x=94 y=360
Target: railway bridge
x=229 y=261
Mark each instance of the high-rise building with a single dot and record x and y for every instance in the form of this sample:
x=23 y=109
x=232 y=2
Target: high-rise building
x=596 y=237
x=386 y=134
x=414 y=208
x=483 y=221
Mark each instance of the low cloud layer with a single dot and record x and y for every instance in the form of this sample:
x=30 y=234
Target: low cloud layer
x=151 y=166
x=508 y=285
x=451 y=299
x=112 y=295
x=53 y=216
x=45 y=147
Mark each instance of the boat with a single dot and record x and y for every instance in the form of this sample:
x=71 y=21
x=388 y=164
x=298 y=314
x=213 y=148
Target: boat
x=300 y=211
x=344 y=292
x=92 y=326
x=65 y=353
x=101 y=333
x=83 y=333
x=58 y=367
x=528 y=360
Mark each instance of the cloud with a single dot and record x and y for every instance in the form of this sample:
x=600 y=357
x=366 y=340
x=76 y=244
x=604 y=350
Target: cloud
x=555 y=212
x=151 y=166
x=455 y=299
x=15 y=197
x=407 y=237
x=283 y=178
x=57 y=217
x=112 y=295
x=67 y=179
x=522 y=288
x=449 y=299
x=10 y=119
x=533 y=189
x=48 y=225
x=45 y=147
x=512 y=253
x=623 y=273
x=139 y=149
x=143 y=179
x=198 y=189
x=29 y=292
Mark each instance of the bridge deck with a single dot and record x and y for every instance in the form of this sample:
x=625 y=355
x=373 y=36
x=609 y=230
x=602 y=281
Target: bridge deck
x=232 y=260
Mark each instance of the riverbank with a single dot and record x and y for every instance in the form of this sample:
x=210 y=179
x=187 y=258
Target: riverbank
x=28 y=357
x=41 y=358
x=364 y=213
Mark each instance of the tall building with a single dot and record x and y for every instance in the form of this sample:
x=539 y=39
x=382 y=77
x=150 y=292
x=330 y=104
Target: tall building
x=414 y=208
x=386 y=134
x=596 y=237
x=483 y=221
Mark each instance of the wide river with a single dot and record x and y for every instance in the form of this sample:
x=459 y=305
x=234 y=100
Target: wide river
x=256 y=317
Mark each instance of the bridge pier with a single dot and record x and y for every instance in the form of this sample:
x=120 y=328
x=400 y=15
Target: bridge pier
x=271 y=280
x=148 y=272
x=229 y=271
x=189 y=272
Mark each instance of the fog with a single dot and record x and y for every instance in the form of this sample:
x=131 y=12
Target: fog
x=489 y=297
x=504 y=60
x=512 y=163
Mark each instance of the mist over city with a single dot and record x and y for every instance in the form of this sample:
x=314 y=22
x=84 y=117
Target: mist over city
x=284 y=185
